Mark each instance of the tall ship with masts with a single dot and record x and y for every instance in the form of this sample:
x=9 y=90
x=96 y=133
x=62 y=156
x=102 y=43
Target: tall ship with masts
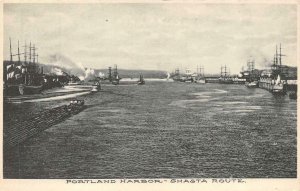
x=200 y=78
x=176 y=75
x=23 y=77
x=141 y=81
x=274 y=80
x=115 y=78
x=225 y=76
x=252 y=78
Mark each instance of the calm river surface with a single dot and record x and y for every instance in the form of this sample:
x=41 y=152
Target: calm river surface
x=165 y=130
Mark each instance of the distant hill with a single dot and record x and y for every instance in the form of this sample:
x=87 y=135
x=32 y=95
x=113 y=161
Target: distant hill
x=124 y=73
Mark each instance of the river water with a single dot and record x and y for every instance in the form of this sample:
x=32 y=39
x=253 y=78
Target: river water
x=165 y=130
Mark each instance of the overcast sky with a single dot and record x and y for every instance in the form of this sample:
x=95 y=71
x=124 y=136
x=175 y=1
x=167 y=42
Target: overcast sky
x=155 y=36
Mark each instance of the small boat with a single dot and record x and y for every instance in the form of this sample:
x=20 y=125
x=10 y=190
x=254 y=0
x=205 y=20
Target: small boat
x=141 y=80
x=96 y=87
x=201 y=81
x=73 y=83
x=76 y=102
x=75 y=106
x=253 y=84
x=22 y=89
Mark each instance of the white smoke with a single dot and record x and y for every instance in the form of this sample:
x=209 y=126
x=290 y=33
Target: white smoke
x=60 y=60
x=89 y=74
x=168 y=75
x=57 y=71
x=79 y=64
x=101 y=75
x=81 y=78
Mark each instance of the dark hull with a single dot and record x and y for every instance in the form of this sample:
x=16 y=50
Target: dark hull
x=293 y=95
x=32 y=90
x=225 y=81
x=141 y=82
x=22 y=89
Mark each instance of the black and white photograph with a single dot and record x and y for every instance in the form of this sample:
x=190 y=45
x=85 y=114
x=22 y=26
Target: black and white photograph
x=153 y=91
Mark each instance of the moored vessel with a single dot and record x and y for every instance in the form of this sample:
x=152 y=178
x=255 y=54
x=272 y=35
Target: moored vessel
x=23 y=77
x=225 y=76
x=141 y=80
x=200 y=78
x=253 y=84
x=96 y=87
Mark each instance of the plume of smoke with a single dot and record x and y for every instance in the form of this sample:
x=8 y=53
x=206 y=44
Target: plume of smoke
x=89 y=74
x=81 y=78
x=60 y=60
x=57 y=71
x=101 y=75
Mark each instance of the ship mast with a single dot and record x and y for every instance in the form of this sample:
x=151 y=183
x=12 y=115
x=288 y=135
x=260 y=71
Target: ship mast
x=30 y=52
x=201 y=71
x=11 y=56
x=25 y=52
x=109 y=74
x=276 y=60
x=19 y=52
x=280 y=54
x=33 y=49
x=221 y=71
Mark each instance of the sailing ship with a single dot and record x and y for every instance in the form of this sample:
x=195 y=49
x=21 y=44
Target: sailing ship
x=23 y=77
x=200 y=78
x=115 y=79
x=275 y=80
x=96 y=87
x=225 y=77
x=251 y=81
x=176 y=76
x=141 y=80
x=188 y=76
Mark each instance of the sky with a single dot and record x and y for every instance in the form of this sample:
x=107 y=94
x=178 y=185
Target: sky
x=155 y=36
